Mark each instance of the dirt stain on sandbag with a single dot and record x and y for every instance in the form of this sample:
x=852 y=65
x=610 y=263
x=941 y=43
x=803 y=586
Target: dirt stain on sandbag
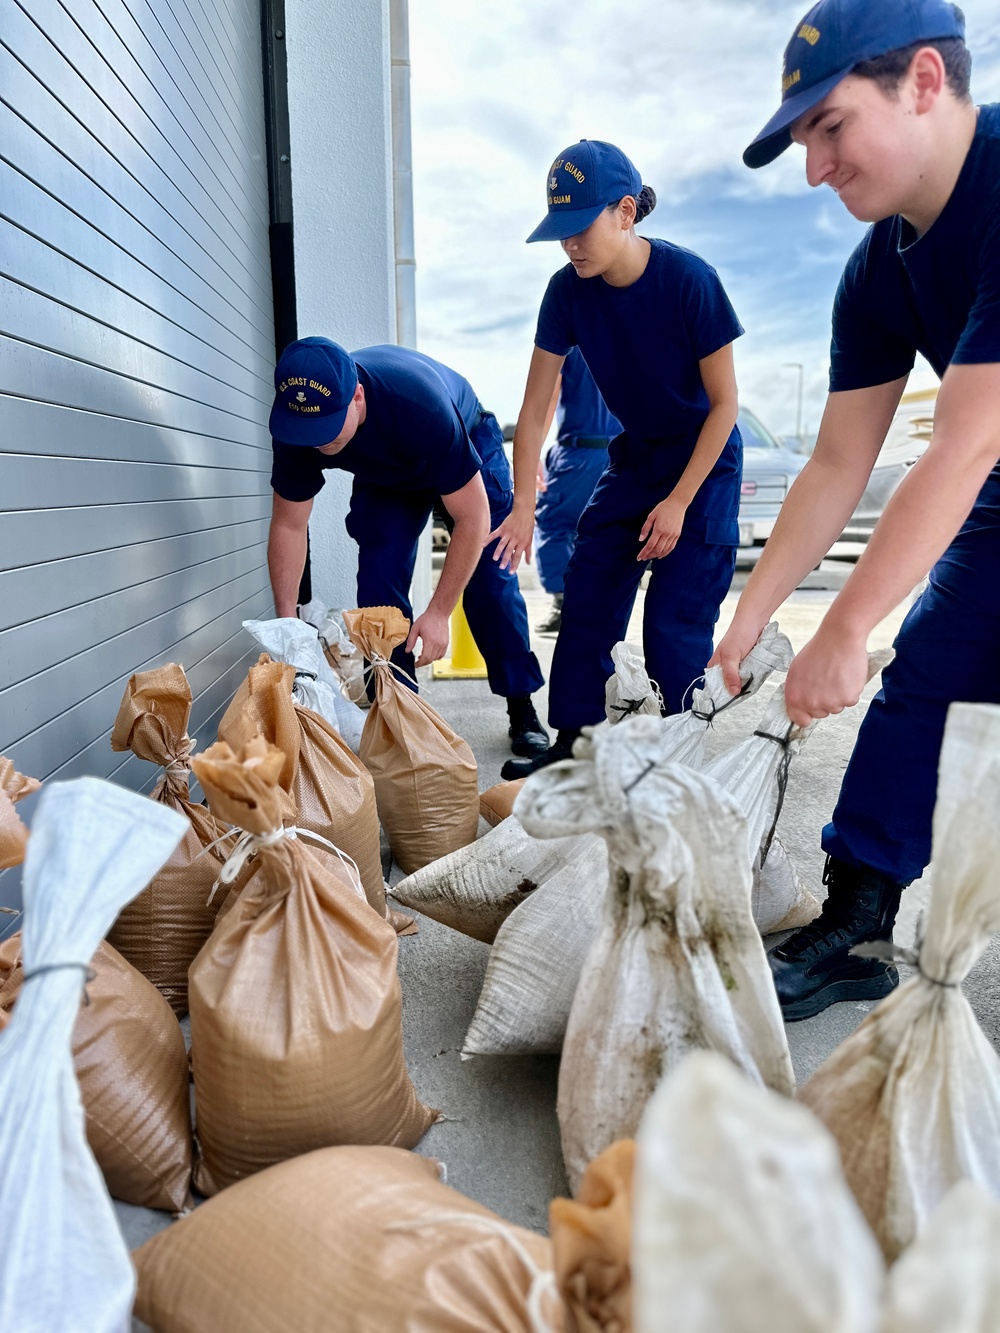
x=522 y=891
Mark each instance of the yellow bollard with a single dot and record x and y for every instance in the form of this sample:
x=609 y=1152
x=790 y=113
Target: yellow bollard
x=466 y=661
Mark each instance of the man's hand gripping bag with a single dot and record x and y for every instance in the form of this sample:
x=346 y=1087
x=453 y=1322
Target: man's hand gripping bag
x=296 y=1033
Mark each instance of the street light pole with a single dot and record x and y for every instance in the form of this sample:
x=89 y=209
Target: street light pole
x=797 y=365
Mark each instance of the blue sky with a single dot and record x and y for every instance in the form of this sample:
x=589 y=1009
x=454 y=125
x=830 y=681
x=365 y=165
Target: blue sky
x=498 y=90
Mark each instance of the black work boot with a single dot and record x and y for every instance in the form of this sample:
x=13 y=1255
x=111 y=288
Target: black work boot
x=562 y=748
x=814 y=968
x=527 y=735
x=552 y=622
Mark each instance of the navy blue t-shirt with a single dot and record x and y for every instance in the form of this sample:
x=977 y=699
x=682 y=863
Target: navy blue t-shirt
x=643 y=342
x=938 y=294
x=582 y=410
x=415 y=435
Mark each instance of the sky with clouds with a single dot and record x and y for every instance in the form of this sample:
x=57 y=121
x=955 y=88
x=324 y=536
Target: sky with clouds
x=499 y=90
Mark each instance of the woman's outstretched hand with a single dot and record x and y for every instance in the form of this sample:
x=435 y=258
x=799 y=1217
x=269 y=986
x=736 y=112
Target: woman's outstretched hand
x=513 y=538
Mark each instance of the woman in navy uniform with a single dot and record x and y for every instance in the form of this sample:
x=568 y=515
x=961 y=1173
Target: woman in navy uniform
x=573 y=467
x=878 y=94
x=656 y=329
x=412 y=432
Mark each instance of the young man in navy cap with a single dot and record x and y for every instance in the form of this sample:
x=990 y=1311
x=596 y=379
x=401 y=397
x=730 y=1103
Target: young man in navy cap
x=878 y=94
x=573 y=467
x=411 y=431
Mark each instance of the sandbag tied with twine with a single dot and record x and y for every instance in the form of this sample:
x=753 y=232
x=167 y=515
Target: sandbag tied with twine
x=163 y=929
x=742 y=1219
x=296 y=1029
x=296 y=642
x=678 y=963
x=347 y=1240
x=14 y=787
x=629 y=691
x=913 y=1096
x=592 y=1242
x=475 y=889
x=63 y=1263
x=323 y=786
x=132 y=1067
x=425 y=775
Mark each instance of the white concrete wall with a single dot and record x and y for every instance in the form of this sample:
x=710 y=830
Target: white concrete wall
x=339 y=104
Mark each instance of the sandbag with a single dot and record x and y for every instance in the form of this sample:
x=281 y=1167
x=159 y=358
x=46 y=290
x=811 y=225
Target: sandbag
x=132 y=1068
x=948 y=1281
x=296 y=1032
x=161 y=931
x=497 y=803
x=591 y=1245
x=742 y=1220
x=344 y=660
x=678 y=963
x=63 y=1264
x=426 y=782
x=14 y=787
x=913 y=1096
x=347 y=1240
x=324 y=787
x=475 y=889
x=296 y=642
x=629 y=692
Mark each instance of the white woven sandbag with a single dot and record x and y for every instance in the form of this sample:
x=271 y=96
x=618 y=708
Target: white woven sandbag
x=678 y=963
x=913 y=1096
x=344 y=659
x=629 y=692
x=535 y=962
x=475 y=889
x=948 y=1281
x=316 y=688
x=742 y=1220
x=63 y=1263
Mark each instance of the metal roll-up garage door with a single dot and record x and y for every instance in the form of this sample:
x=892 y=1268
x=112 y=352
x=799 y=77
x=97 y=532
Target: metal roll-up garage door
x=136 y=351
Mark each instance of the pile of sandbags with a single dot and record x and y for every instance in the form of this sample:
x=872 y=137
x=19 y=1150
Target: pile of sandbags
x=347 y=1240
x=295 y=641
x=678 y=963
x=63 y=1263
x=296 y=1031
x=426 y=782
x=913 y=1096
x=161 y=931
x=323 y=786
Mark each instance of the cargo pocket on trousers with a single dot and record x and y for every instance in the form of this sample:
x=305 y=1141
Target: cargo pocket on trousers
x=707 y=573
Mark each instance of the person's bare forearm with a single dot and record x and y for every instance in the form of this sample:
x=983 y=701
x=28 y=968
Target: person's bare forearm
x=286 y=559
x=464 y=551
x=715 y=432
x=529 y=436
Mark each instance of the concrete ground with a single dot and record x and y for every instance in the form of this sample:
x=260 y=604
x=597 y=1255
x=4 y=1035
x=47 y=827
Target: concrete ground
x=499 y=1136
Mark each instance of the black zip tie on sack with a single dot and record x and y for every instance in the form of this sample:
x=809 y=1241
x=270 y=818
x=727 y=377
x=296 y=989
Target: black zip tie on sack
x=708 y=718
x=784 y=744
x=644 y=774
x=89 y=974
x=305 y=675
x=887 y=952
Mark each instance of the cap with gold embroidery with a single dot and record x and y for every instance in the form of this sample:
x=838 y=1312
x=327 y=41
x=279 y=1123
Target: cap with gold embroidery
x=583 y=180
x=832 y=38
x=314 y=382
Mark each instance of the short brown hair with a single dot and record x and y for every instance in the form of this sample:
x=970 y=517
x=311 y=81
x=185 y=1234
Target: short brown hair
x=889 y=70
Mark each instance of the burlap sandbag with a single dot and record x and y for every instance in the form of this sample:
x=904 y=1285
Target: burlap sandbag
x=497 y=803
x=296 y=1030
x=591 y=1242
x=323 y=786
x=162 y=930
x=131 y=1064
x=425 y=775
x=346 y=1240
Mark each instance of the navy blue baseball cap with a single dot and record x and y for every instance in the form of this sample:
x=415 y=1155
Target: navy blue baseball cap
x=583 y=180
x=835 y=36
x=314 y=382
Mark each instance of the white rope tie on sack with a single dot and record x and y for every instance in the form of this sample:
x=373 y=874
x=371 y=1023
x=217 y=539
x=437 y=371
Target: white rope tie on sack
x=543 y=1280
x=180 y=765
x=377 y=660
x=249 y=844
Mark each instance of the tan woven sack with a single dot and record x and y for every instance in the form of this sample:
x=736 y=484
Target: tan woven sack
x=346 y=1240
x=425 y=775
x=131 y=1064
x=162 y=930
x=497 y=803
x=591 y=1244
x=324 y=787
x=14 y=787
x=296 y=1030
